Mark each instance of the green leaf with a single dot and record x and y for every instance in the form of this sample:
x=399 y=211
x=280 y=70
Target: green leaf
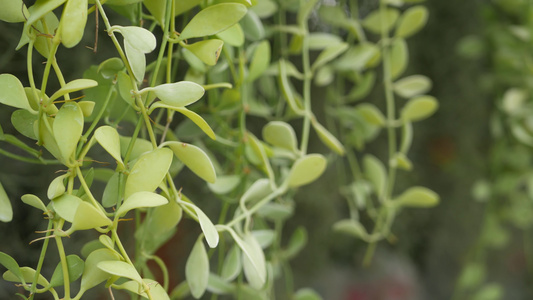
x=140 y=147
x=28 y=275
x=12 y=265
x=137 y=61
x=178 y=94
x=265 y=237
x=73 y=22
x=13 y=92
x=252 y=26
x=138 y=200
x=419 y=108
x=75 y=269
x=13 y=11
x=323 y=40
x=109 y=139
x=357 y=58
x=88 y=217
x=213 y=20
x=401 y=161
x=411 y=21
x=276 y=211
x=297 y=242
x=407 y=137
x=6 y=211
x=286 y=87
x=39 y=10
x=148 y=172
x=125 y=87
x=411 y=86
x=260 y=189
x=265 y=8
x=110 y=67
x=306 y=294
x=197 y=269
x=183 y=6
x=232 y=264
x=121 y=269
x=376 y=19
x=371 y=114
x=34 y=201
x=138 y=38
x=87 y=108
x=111 y=195
x=417 y=197
x=24 y=122
x=280 y=134
x=260 y=61
x=472 y=275
x=74 y=86
x=66 y=205
x=209 y=230
x=48 y=139
x=399 y=56
x=68 y=127
x=513 y=100
x=306 y=170
x=217 y=285
x=156 y=289
x=56 y=187
x=351 y=227
x=491 y=291
x=363 y=87
x=253 y=262
x=189 y=114
x=224 y=184
x=328 y=138
x=207 y=51
x=195 y=159
x=329 y=54
x=376 y=173
x=233 y=36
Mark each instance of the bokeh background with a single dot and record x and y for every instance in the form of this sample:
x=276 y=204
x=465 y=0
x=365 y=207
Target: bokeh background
x=452 y=152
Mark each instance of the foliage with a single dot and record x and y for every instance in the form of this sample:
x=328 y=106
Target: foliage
x=229 y=62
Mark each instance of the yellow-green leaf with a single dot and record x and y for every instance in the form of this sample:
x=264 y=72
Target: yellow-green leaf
x=419 y=108
x=6 y=211
x=73 y=22
x=376 y=173
x=213 y=20
x=13 y=92
x=260 y=61
x=13 y=11
x=197 y=269
x=178 y=94
x=376 y=19
x=233 y=36
x=371 y=114
x=417 y=197
x=148 y=172
x=140 y=199
x=89 y=217
x=399 y=56
x=328 y=138
x=411 y=21
x=307 y=169
x=280 y=134
x=207 y=51
x=411 y=86
x=189 y=114
x=68 y=127
x=74 y=86
x=109 y=139
x=195 y=159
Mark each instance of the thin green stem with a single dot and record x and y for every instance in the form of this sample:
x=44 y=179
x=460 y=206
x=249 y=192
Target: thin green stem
x=86 y=188
x=64 y=265
x=41 y=259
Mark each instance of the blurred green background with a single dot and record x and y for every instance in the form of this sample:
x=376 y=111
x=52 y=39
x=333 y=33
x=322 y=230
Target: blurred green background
x=451 y=152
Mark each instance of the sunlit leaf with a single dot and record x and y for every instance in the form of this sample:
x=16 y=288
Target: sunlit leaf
x=399 y=56
x=87 y=108
x=195 y=159
x=280 y=134
x=34 y=201
x=39 y=10
x=178 y=94
x=75 y=266
x=74 y=86
x=88 y=217
x=66 y=205
x=156 y=289
x=233 y=36
x=56 y=187
x=121 y=269
x=73 y=22
x=13 y=92
x=68 y=127
x=351 y=227
x=323 y=40
x=109 y=139
x=417 y=197
x=265 y=8
x=213 y=20
x=411 y=21
x=209 y=230
x=140 y=199
x=419 y=108
x=148 y=172
x=307 y=169
x=224 y=184
x=138 y=38
x=13 y=11
x=137 y=61
x=207 y=51
x=189 y=114
x=197 y=269
x=357 y=57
